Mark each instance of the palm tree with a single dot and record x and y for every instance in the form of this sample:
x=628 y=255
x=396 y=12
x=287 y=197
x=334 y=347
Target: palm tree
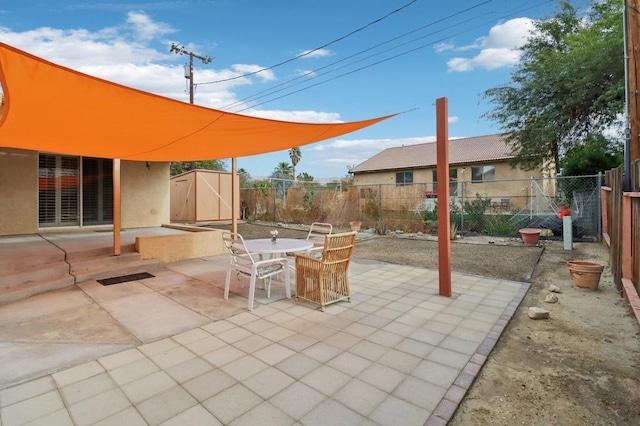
x=282 y=171
x=295 y=154
x=305 y=177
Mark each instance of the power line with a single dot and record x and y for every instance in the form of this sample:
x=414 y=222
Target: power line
x=389 y=58
x=316 y=49
x=312 y=73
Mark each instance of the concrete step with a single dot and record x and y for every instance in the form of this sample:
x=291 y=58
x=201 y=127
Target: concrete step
x=100 y=251
x=26 y=255
x=84 y=264
x=33 y=273
x=33 y=288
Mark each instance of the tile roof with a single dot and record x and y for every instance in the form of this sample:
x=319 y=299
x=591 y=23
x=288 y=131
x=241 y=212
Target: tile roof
x=461 y=151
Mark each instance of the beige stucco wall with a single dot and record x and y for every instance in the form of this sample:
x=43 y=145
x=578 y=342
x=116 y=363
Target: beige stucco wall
x=512 y=184
x=145 y=194
x=199 y=242
x=18 y=192
x=503 y=171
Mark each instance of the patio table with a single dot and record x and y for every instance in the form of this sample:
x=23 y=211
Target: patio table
x=281 y=246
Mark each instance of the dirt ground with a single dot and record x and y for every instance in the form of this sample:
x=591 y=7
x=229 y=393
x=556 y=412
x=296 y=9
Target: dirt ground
x=579 y=367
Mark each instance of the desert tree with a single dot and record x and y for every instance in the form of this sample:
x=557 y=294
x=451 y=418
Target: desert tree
x=568 y=86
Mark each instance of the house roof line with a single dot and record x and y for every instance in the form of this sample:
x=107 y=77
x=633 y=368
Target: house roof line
x=462 y=151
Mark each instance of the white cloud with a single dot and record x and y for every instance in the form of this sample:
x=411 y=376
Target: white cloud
x=264 y=74
x=297 y=116
x=305 y=73
x=340 y=153
x=498 y=49
x=453 y=119
x=124 y=54
x=145 y=28
x=318 y=53
x=443 y=47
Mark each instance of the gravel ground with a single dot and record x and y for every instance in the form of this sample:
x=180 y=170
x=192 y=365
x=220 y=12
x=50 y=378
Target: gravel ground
x=580 y=367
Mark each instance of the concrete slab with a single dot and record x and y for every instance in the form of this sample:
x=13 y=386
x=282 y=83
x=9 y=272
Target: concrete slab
x=152 y=316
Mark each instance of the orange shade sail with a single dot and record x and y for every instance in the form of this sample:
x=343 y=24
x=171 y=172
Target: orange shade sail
x=55 y=109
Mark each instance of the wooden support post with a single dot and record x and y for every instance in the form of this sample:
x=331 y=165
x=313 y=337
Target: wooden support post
x=235 y=191
x=117 y=217
x=444 y=226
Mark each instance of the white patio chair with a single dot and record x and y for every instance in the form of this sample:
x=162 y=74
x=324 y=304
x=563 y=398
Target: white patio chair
x=250 y=264
x=317 y=232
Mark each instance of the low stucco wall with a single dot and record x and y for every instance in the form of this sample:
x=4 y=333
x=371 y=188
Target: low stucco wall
x=189 y=245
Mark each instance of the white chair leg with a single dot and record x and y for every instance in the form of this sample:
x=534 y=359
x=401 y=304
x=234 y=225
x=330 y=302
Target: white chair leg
x=287 y=281
x=268 y=284
x=252 y=291
x=227 y=283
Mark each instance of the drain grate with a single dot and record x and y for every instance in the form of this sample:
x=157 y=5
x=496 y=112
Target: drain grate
x=125 y=278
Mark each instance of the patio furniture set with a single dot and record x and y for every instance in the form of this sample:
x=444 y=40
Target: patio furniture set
x=320 y=262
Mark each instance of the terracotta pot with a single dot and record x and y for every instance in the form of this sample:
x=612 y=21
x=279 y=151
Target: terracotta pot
x=355 y=226
x=585 y=275
x=530 y=236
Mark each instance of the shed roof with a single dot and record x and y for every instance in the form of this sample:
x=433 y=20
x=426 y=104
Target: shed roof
x=477 y=149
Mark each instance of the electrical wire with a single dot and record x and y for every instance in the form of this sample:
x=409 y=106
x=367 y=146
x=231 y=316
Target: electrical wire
x=317 y=48
x=313 y=72
x=391 y=57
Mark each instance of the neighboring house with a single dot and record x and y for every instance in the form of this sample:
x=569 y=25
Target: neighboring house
x=481 y=162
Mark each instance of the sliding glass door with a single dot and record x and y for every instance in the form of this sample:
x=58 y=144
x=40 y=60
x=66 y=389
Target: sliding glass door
x=74 y=191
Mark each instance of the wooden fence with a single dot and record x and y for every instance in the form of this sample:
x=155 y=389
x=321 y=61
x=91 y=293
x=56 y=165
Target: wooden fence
x=621 y=227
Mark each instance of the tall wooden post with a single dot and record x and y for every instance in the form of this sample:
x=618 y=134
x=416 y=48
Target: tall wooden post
x=117 y=217
x=442 y=170
x=234 y=198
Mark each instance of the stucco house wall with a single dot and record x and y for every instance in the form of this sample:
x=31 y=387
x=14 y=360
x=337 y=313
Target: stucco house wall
x=145 y=194
x=144 y=191
x=18 y=192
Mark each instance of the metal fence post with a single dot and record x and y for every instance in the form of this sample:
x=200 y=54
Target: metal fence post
x=462 y=208
x=380 y=203
x=531 y=199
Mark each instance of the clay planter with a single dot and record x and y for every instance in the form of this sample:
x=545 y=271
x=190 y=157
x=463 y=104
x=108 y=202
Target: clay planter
x=355 y=226
x=530 y=236
x=585 y=275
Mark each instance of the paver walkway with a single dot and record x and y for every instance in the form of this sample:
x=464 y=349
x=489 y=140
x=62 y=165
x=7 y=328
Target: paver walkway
x=397 y=354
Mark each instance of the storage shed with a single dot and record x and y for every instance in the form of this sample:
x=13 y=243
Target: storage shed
x=202 y=196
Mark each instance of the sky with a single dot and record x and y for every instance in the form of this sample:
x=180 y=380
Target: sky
x=296 y=60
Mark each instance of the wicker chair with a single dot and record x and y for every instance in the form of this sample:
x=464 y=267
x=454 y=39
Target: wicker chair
x=325 y=280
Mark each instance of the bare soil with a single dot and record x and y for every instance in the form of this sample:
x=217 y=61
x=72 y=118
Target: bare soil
x=579 y=367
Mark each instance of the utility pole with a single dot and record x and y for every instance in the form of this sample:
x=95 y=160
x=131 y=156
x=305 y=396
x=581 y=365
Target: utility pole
x=631 y=44
x=188 y=72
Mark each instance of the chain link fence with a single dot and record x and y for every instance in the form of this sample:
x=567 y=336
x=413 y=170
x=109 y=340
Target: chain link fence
x=499 y=208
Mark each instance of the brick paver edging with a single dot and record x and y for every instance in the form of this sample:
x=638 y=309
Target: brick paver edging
x=451 y=401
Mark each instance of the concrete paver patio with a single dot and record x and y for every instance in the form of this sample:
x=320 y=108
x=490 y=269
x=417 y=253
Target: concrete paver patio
x=170 y=350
